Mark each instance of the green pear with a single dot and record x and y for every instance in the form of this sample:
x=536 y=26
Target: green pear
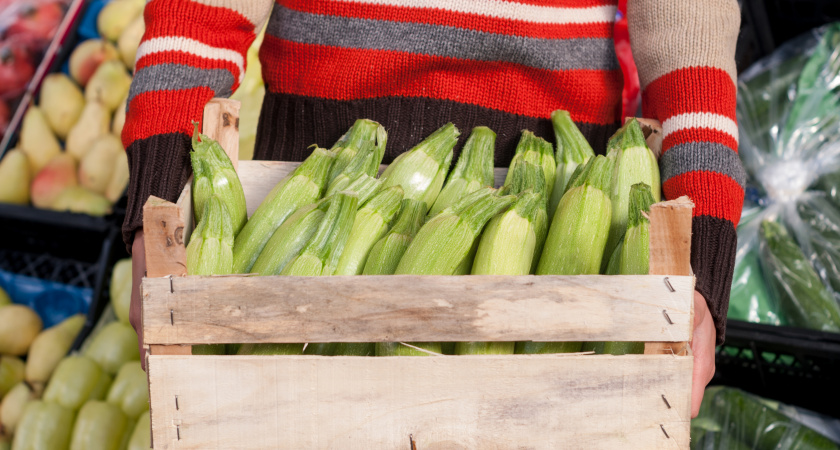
x=97 y=166
x=14 y=178
x=129 y=41
x=109 y=84
x=119 y=178
x=121 y=289
x=57 y=175
x=116 y=15
x=119 y=118
x=94 y=122
x=37 y=139
x=49 y=348
x=62 y=102
x=80 y=200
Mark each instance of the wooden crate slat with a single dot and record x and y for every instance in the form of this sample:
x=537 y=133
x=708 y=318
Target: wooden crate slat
x=415 y=308
x=469 y=402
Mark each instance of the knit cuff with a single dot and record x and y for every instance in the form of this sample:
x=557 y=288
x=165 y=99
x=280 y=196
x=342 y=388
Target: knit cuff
x=713 y=245
x=159 y=166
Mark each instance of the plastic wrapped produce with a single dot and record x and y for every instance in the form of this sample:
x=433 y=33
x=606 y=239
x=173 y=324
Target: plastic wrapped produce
x=735 y=420
x=788 y=260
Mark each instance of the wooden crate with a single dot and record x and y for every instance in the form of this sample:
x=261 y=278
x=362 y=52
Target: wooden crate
x=436 y=402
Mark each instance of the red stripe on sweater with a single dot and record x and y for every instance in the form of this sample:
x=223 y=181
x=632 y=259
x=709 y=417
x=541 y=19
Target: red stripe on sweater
x=345 y=74
x=212 y=25
x=453 y=19
x=713 y=194
x=694 y=89
x=699 y=135
x=566 y=3
x=187 y=59
x=159 y=112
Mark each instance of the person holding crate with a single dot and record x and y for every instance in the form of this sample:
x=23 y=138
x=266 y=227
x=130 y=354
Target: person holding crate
x=413 y=65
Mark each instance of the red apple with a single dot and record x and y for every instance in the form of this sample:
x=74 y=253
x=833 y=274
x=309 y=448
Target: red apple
x=16 y=70
x=37 y=22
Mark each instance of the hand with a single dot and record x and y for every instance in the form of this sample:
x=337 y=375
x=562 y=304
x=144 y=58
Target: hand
x=703 y=347
x=138 y=266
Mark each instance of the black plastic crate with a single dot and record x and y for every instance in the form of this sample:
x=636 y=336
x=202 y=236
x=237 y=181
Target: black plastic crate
x=71 y=249
x=792 y=365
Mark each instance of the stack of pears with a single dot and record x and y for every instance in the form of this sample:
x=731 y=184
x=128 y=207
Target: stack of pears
x=70 y=156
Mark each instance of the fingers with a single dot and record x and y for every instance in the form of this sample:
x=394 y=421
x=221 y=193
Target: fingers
x=135 y=314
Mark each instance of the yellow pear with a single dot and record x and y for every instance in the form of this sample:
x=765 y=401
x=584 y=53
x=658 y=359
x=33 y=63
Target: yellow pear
x=19 y=325
x=129 y=41
x=37 y=139
x=62 y=102
x=116 y=15
x=97 y=167
x=94 y=122
x=109 y=84
x=49 y=348
x=119 y=178
x=87 y=57
x=80 y=200
x=11 y=409
x=119 y=118
x=14 y=178
x=56 y=176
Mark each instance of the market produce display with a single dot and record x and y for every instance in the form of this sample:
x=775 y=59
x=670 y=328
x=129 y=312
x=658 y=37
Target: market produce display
x=788 y=249
x=69 y=155
x=333 y=216
x=95 y=398
x=26 y=29
x=732 y=419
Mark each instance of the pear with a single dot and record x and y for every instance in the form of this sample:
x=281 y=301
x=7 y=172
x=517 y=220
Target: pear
x=37 y=139
x=96 y=168
x=19 y=325
x=119 y=178
x=80 y=200
x=129 y=41
x=116 y=15
x=11 y=373
x=62 y=102
x=87 y=57
x=119 y=118
x=11 y=409
x=94 y=122
x=6 y=300
x=121 y=289
x=49 y=348
x=109 y=84
x=14 y=178
x=56 y=176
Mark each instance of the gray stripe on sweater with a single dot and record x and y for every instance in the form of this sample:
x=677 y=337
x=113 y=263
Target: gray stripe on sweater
x=173 y=77
x=445 y=41
x=702 y=156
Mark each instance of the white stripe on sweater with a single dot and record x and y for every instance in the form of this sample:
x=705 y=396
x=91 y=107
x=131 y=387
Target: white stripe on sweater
x=193 y=47
x=509 y=10
x=700 y=120
x=256 y=11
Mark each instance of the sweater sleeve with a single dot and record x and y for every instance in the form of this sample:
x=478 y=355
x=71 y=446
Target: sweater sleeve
x=685 y=54
x=191 y=52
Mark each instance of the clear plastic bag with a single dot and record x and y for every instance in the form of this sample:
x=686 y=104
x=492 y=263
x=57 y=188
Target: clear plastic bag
x=789 y=237
x=731 y=419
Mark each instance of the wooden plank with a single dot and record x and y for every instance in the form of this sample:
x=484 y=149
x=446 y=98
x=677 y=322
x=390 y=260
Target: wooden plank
x=221 y=122
x=204 y=310
x=465 y=402
x=170 y=349
x=259 y=177
x=670 y=254
x=163 y=230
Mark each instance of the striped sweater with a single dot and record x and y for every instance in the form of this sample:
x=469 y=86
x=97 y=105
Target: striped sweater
x=414 y=65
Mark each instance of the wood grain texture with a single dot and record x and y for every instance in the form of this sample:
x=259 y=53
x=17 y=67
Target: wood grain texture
x=443 y=402
x=670 y=254
x=415 y=308
x=164 y=231
x=170 y=349
x=221 y=122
